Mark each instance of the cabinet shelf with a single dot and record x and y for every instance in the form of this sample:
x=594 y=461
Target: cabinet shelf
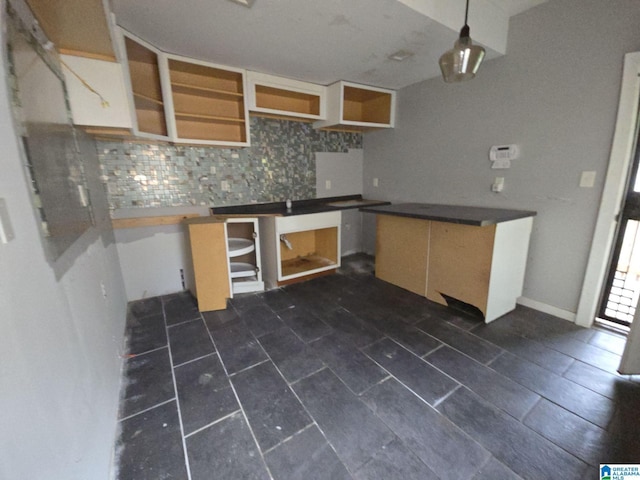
x=242 y=270
x=306 y=264
x=144 y=76
x=198 y=91
x=198 y=117
x=240 y=246
x=145 y=102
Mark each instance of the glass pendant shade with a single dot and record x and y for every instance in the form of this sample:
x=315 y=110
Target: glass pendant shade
x=463 y=60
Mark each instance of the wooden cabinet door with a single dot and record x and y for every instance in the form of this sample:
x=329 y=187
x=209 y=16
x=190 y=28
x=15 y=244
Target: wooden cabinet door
x=460 y=263
x=402 y=249
x=208 y=242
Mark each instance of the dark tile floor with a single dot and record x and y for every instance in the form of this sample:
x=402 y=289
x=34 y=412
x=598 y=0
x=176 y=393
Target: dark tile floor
x=349 y=377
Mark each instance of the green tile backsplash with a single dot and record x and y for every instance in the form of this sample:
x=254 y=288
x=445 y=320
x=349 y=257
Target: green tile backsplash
x=280 y=164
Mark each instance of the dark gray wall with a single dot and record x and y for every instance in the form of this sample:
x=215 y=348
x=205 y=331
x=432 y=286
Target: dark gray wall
x=555 y=94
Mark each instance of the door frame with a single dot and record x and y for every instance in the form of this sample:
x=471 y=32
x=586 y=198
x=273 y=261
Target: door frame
x=613 y=192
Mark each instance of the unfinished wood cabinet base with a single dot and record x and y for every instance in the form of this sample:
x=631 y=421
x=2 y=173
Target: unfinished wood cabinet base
x=208 y=244
x=479 y=266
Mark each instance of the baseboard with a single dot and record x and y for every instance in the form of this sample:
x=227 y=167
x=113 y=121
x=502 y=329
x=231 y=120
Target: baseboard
x=545 y=308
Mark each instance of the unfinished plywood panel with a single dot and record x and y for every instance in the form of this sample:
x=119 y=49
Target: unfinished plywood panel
x=144 y=74
x=76 y=27
x=370 y=106
x=207 y=239
x=287 y=100
x=460 y=263
x=402 y=250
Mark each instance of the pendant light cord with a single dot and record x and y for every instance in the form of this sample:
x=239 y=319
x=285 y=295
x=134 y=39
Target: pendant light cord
x=466 y=13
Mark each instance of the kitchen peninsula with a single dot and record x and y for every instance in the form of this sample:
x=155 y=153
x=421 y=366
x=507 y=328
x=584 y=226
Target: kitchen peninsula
x=452 y=254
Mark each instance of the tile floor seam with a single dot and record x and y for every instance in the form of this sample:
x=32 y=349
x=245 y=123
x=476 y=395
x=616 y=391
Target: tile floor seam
x=285 y=440
x=127 y=356
x=175 y=392
x=194 y=360
x=146 y=409
x=312 y=373
x=183 y=322
x=204 y=427
x=244 y=414
x=231 y=375
x=326 y=439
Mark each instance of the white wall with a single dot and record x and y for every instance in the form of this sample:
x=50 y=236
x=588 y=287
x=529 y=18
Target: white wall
x=60 y=339
x=555 y=94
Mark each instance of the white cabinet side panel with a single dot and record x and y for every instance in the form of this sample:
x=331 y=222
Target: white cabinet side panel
x=508 y=264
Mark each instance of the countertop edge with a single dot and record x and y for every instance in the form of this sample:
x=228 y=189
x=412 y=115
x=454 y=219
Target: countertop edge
x=506 y=215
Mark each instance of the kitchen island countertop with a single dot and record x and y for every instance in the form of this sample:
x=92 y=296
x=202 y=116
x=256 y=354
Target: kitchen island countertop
x=478 y=216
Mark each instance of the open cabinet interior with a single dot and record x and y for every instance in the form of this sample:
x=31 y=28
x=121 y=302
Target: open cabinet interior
x=146 y=88
x=208 y=102
x=308 y=250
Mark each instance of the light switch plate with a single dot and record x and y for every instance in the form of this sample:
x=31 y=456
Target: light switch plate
x=327 y=184
x=6 y=230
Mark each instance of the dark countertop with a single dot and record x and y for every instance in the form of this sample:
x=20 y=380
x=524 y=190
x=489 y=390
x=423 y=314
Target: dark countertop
x=479 y=216
x=299 y=207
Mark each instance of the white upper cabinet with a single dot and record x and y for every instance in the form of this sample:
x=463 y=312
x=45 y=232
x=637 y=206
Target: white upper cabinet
x=283 y=97
x=206 y=102
x=107 y=79
x=354 y=107
x=141 y=63
x=184 y=100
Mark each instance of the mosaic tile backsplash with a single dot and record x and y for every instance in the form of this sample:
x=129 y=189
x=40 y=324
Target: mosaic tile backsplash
x=279 y=164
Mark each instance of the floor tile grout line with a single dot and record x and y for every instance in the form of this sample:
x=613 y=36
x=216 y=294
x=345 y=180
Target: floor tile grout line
x=307 y=427
x=134 y=355
x=231 y=375
x=200 y=429
x=194 y=360
x=175 y=391
x=244 y=414
x=146 y=410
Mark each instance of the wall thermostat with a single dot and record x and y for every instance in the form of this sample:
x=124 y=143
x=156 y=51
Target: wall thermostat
x=504 y=152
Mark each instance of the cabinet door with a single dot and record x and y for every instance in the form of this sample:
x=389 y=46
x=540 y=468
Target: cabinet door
x=208 y=242
x=460 y=263
x=145 y=90
x=402 y=249
x=108 y=79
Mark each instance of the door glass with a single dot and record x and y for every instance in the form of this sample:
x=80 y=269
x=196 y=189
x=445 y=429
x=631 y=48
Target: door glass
x=625 y=287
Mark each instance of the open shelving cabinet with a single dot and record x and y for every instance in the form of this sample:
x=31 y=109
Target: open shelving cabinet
x=279 y=97
x=207 y=103
x=146 y=90
x=358 y=108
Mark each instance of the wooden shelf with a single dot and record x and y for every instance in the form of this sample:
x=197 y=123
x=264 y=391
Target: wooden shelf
x=305 y=264
x=143 y=101
x=204 y=118
x=144 y=74
x=310 y=250
x=208 y=103
x=187 y=89
x=205 y=77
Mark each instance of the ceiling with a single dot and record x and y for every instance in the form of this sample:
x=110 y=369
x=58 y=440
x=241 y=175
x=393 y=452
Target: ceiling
x=321 y=41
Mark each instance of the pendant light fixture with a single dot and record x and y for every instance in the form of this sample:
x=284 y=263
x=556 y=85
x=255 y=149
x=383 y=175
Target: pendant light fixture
x=462 y=61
